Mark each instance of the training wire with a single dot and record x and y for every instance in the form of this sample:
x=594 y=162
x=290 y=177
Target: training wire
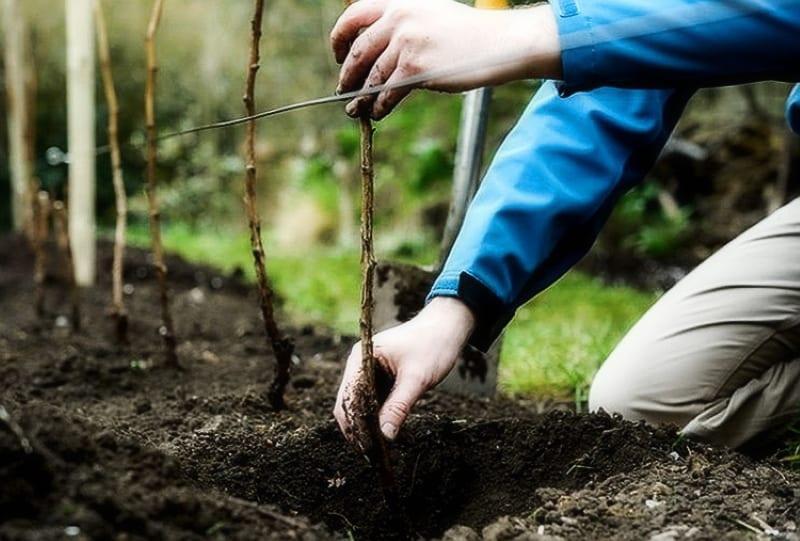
x=703 y=12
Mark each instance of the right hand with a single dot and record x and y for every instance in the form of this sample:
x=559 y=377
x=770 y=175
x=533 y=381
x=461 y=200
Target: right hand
x=387 y=41
x=417 y=355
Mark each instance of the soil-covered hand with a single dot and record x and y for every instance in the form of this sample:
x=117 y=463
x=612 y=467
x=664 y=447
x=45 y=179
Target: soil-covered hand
x=417 y=355
x=386 y=41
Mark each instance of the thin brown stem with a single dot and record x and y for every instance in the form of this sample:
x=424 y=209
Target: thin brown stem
x=378 y=449
x=41 y=234
x=119 y=312
x=282 y=347
x=166 y=330
x=61 y=227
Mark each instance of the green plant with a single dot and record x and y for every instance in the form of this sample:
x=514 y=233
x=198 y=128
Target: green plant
x=791 y=452
x=640 y=225
x=663 y=235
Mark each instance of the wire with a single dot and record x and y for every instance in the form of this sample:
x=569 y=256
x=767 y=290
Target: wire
x=702 y=12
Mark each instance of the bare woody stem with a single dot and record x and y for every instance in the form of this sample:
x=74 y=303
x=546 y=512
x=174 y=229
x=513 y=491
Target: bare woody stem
x=378 y=451
x=40 y=236
x=61 y=227
x=282 y=347
x=167 y=330
x=117 y=300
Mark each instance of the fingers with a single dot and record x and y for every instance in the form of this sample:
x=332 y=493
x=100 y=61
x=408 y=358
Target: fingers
x=346 y=388
x=407 y=390
x=358 y=16
x=366 y=48
x=389 y=98
x=382 y=71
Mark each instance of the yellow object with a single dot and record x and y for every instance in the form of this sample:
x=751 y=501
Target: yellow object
x=491 y=4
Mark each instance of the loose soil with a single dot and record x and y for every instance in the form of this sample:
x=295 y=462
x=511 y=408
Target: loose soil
x=104 y=442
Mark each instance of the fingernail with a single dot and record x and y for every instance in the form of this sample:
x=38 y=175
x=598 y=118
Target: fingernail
x=339 y=89
x=351 y=109
x=389 y=430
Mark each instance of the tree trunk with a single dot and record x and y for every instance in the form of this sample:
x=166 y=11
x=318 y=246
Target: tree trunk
x=19 y=159
x=81 y=117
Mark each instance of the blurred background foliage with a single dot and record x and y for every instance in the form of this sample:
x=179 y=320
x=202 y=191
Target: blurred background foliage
x=695 y=200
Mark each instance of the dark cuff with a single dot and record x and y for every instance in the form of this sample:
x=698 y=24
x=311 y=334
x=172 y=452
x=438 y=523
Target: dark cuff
x=491 y=315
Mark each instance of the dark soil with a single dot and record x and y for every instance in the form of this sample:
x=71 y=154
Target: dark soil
x=122 y=448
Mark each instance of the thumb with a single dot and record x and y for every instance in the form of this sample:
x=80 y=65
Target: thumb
x=402 y=398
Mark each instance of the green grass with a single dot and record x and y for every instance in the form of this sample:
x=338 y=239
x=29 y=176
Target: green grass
x=557 y=341
x=322 y=287
x=552 y=348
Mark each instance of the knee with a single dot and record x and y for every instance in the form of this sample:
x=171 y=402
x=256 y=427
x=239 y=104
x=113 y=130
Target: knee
x=617 y=391
x=607 y=394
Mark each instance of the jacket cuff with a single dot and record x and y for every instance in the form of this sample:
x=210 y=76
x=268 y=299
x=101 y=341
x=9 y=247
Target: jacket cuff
x=578 y=50
x=491 y=315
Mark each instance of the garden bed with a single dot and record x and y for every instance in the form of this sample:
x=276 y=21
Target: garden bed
x=122 y=446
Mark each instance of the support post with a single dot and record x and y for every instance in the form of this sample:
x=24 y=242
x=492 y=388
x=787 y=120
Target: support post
x=81 y=118
x=17 y=106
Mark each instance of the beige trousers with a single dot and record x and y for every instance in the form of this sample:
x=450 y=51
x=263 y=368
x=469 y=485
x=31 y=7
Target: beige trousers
x=719 y=354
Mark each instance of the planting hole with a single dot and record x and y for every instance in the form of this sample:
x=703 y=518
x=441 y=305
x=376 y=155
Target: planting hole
x=449 y=471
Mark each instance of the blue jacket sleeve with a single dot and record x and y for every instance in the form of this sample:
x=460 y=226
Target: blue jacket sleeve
x=548 y=192
x=673 y=43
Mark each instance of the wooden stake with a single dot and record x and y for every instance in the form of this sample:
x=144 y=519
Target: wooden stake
x=166 y=330
x=61 y=227
x=119 y=313
x=42 y=219
x=19 y=162
x=81 y=127
x=31 y=90
x=282 y=347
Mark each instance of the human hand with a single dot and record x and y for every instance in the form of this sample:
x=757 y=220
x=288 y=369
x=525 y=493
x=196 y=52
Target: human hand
x=417 y=355
x=387 y=41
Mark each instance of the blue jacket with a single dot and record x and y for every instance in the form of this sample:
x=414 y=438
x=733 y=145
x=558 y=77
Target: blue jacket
x=629 y=68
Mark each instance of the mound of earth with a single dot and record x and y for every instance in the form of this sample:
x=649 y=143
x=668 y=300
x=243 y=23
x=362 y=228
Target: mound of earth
x=104 y=442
